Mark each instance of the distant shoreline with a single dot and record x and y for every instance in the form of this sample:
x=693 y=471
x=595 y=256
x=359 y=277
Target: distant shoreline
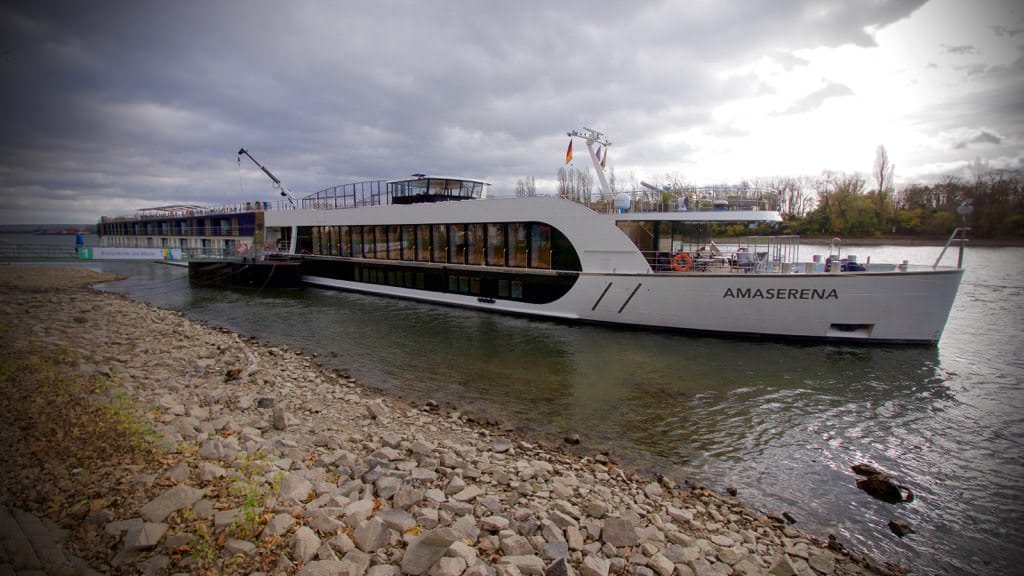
x=914 y=241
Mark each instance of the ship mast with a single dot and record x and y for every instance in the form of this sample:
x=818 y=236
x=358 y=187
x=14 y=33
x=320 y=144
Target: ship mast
x=592 y=137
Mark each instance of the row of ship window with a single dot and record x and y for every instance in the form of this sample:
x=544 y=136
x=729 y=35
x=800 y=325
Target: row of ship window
x=242 y=225
x=511 y=244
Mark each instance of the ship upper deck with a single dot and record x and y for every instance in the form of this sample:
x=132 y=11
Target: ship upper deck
x=416 y=189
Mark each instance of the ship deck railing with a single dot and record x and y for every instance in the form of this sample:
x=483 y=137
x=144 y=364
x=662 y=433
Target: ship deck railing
x=195 y=211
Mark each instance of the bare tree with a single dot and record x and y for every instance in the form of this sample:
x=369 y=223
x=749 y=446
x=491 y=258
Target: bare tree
x=583 y=185
x=526 y=187
x=794 y=195
x=883 y=175
x=564 y=183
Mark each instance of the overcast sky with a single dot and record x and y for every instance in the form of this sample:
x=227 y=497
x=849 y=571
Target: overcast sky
x=113 y=106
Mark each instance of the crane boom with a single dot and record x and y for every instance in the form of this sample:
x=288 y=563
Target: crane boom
x=277 y=182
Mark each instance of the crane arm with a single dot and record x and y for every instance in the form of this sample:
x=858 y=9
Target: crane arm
x=277 y=182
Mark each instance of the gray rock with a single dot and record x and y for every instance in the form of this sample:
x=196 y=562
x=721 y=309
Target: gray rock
x=423 y=475
x=172 y=500
x=662 y=565
x=145 y=537
x=224 y=518
x=448 y=566
x=377 y=410
x=551 y=532
x=455 y=485
x=398 y=519
x=280 y=419
x=370 y=535
x=295 y=488
x=387 y=486
x=462 y=550
x=234 y=546
x=325 y=568
x=119 y=527
x=900 y=527
x=507 y=570
x=383 y=570
x=305 y=544
x=407 y=497
x=822 y=563
x=562 y=519
x=702 y=567
x=494 y=523
x=479 y=570
x=594 y=566
x=278 y=525
x=782 y=566
x=322 y=521
x=466 y=525
x=357 y=512
x=152 y=566
x=595 y=509
x=515 y=545
x=556 y=550
x=342 y=544
x=730 y=556
x=209 y=471
x=325 y=552
x=574 y=538
x=219 y=449
x=530 y=564
x=178 y=473
x=421 y=554
x=501 y=445
x=359 y=560
x=619 y=532
x=391 y=439
x=723 y=541
x=560 y=567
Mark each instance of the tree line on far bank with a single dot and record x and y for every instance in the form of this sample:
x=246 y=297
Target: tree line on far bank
x=992 y=206
x=841 y=204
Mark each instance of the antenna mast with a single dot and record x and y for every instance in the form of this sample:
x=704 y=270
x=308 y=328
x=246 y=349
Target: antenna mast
x=591 y=137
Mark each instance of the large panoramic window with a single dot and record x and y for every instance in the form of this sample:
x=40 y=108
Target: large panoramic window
x=519 y=238
x=457 y=243
x=423 y=242
x=440 y=243
x=408 y=242
x=540 y=246
x=344 y=241
x=495 y=244
x=394 y=242
x=513 y=245
x=475 y=243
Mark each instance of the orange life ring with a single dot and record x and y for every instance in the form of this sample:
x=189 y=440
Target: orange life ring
x=682 y=262
x=243 y=249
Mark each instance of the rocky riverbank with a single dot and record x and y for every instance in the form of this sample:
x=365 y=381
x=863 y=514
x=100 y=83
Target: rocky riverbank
x=257 y=460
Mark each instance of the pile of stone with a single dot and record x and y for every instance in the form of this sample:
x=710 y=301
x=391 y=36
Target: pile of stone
x=327 y=477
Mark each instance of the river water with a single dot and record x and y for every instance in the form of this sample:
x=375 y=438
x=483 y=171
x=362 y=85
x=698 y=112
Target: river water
x=780 y=422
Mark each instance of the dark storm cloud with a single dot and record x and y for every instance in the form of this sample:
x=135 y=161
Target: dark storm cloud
x=110 y=106
x=960 y=49
x=817 y=98
x=979 y=137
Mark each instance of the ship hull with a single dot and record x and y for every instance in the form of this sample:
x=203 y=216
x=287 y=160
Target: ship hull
x=903 y=307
